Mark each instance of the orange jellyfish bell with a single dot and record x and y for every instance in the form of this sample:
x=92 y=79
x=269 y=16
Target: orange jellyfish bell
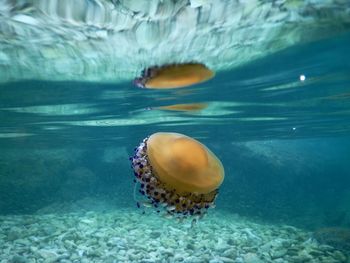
x=177 y=173
x=173 y=76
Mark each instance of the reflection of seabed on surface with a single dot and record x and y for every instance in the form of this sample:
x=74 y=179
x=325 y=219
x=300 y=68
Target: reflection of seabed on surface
x=113 y=41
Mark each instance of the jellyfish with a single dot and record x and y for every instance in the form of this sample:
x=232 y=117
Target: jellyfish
x=176 y=174
x=173 y=76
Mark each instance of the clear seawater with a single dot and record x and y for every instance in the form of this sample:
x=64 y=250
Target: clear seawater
x=284 y=143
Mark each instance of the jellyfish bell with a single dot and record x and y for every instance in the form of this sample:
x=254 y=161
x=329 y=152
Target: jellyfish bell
x=173 y=76
x=184 y=164
x=177 y=173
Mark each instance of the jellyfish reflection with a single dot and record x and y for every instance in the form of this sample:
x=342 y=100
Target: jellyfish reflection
x=173 y=76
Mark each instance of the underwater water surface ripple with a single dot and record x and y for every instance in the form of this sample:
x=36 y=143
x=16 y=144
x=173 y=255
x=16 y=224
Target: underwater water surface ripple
x=264 y=99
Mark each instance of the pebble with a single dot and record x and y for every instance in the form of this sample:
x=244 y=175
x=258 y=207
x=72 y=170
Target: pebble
x=230 y=253
x=22 y=241
x=18 y=259
x=252 y=258
x=155 y=234
x=13 y=234
x=304 y=256
x=278 y=253
x=216 y=260
x=316 y=253
x=49 y=256
x=339 y=256
x=226 y=260
x=325 y=248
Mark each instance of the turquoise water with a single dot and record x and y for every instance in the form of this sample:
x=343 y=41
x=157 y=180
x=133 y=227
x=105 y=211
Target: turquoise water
x=279 y=120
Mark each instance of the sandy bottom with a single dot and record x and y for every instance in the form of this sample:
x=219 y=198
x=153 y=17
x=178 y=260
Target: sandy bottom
x=127 y=235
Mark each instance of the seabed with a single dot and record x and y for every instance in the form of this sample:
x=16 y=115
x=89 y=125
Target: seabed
x=127 y=235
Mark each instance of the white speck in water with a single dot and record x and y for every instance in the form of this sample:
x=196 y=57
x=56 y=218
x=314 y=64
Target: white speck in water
x=294 y=128
x=302 y=77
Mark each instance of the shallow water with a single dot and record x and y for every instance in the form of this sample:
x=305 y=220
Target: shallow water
x=70 y=118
